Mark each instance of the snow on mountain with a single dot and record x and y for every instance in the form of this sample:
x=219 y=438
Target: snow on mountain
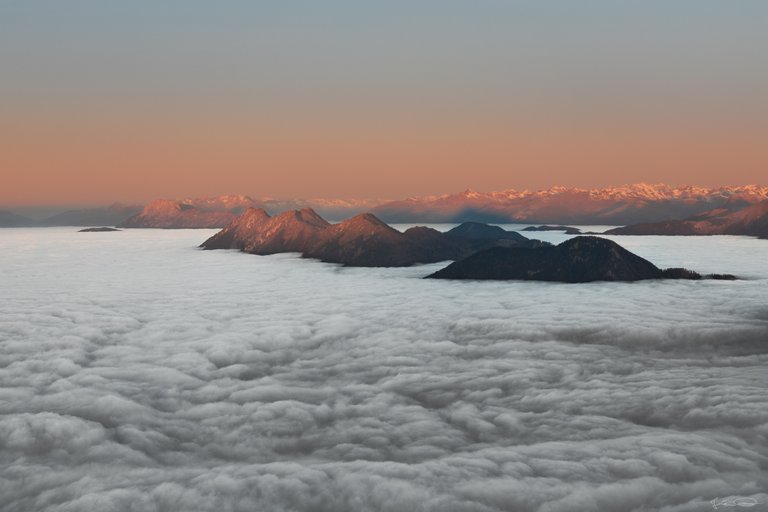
x=620 y=205
x=641 y=202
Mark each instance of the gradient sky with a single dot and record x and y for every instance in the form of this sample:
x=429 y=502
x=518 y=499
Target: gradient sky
x=106 y=100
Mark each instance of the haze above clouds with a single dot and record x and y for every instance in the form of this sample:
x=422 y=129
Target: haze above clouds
x=139 y=373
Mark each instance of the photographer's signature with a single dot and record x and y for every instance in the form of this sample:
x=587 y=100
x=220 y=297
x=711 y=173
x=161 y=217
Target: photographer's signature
x=735 y=501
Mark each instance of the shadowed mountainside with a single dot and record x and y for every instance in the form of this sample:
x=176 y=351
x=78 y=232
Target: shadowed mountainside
x=732 y=219
x=110 y=216
x=170 y=214
x=12 y=220
x=107 y=216
x=578 y=260
x=362 y=240
x=478 y=230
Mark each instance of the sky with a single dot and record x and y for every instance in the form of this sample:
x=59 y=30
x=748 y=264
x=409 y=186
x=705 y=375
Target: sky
x=130 y=101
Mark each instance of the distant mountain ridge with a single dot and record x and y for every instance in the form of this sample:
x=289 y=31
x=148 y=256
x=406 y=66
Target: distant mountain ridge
x=623 y=205
x=627 y=204
x=11 y=220
x=109 y=216
x=217 y=212
x=170 y=214
x=363 y=240
x=731 y=219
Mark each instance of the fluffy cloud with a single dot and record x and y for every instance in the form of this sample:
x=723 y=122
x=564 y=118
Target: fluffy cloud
x=138 y=373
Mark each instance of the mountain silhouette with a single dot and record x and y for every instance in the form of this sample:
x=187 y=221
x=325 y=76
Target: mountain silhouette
x=732 y=219
x=363 y=240
x=578 y=260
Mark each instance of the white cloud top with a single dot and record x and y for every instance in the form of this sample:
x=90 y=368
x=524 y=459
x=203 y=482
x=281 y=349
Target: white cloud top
x=139 y=373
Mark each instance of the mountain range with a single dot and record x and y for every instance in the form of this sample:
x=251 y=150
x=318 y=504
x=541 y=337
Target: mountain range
x=170 y=214
x=12 y=220
x=625 y=205
x=363 y=240
x=217 y=212
x=730 y=219
x=631 y=204
x=109 y=215
x=577 y=260
x=628 y=204
x=203 y=212
x=480 y=251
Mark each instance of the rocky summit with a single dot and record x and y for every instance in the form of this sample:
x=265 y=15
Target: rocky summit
x=363 y=240
x=578 y=260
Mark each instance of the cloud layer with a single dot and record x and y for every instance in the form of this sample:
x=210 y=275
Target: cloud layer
x=139 y=373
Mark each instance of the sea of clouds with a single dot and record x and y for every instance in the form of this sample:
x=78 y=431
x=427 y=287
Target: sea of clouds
x=138 y=373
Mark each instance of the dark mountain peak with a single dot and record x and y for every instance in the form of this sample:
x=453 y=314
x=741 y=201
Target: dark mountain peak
x=594 y=258
x=478 y=230
x=362 y=240
x=422 y=232
x=578 y=260
x=590 y=243
x=475 y=230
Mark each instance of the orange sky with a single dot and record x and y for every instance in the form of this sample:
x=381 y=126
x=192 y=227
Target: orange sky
x=104 y=156
x=103 y=103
